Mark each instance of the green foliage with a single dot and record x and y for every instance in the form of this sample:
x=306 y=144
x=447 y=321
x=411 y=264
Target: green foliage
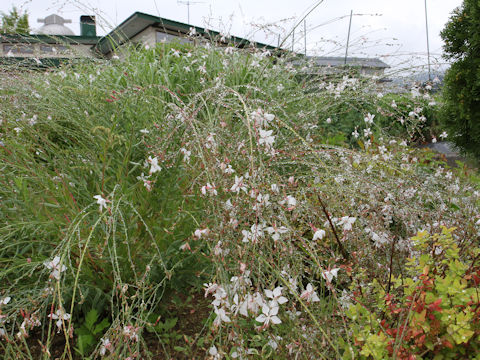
x=14 y=22
x=90 y=331
x=431 y=311
x=95 y=129
x=461 y=92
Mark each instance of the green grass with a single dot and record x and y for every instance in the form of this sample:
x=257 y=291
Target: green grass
x=77 y=132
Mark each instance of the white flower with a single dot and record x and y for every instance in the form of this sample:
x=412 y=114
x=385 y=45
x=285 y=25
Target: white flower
x=367 y=132
x=276 y=296
x=185 y=247
x=61 y=316
x=273 y=343
x=147 y=183
x=209 y=188
x=355 y=134
x=256 y=232
x=192 y=31
x=5 y=300
x=101 y=201
x=262 y=119
x=319 y=234
x=229 y=169
x=175 y=52
x=106 y=345
x=369 y=118
x=276 y=232
x=266 y=138
x=145 y=131
x=290 y=201
x=210 y=288
x=328 y=121
x=210 y=141
x=54 y=265
x=434 y=139
x=262 y=200
x=199 y=233
x=345 y=299
x=328 y=275
x=394 y=104
x=131 y=332
x=247 y=235
x=269 y=314
x=275 y=188
x=186 y=154
x=280 y=87
x=309 y=294
x=154 y=165
x=347 y=222
x=238 y=185
x=221 y=317
x=443 y=135
x=214 y=352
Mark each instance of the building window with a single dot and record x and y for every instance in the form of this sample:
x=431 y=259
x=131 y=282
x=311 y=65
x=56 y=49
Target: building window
x=18 y=49
x=162 y=37
x=53 y=49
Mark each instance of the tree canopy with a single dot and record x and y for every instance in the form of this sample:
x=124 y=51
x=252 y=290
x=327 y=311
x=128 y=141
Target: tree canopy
x=15 y=22
x=461 y=110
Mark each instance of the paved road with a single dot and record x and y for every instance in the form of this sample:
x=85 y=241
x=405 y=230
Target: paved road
x=448 y=150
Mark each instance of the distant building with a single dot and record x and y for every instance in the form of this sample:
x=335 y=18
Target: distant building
x=149 y=30
x=52 y=43
x=366 y=66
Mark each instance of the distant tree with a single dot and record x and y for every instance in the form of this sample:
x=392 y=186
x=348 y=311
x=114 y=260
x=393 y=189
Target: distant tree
x=461 y=110
x=14 y=22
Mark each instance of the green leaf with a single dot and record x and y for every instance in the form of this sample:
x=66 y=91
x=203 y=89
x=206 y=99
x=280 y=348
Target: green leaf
x=84 y=342
x=101 y=326
x=91 y=319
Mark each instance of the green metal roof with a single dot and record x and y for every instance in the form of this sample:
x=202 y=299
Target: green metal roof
x=49 y=39
x=32 y=64
x=138 y=22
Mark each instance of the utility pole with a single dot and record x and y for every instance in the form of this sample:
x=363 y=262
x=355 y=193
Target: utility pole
x=305 y=35
x=188 y=3
x=428 y=43
x=348 y=37
x=293 y=40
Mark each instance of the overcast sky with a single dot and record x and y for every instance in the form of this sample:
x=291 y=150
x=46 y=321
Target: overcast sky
x=389 y=29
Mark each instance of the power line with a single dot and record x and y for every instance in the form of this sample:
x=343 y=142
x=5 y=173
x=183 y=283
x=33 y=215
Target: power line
x=428 y=43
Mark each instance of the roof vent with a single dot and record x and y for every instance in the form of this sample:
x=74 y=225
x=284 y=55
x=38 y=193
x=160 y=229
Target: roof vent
x=87 y=26
x=54 y=25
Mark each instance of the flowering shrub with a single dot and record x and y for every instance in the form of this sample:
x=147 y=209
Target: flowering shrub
x=431 y=310
x=175 y=167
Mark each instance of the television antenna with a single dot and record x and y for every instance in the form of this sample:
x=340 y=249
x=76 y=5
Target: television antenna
x=189 y=3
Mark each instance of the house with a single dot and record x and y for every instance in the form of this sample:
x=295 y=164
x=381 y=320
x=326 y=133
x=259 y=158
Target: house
x=52 y=44
x=55 y=43
x=149 y=30
x=330 y=65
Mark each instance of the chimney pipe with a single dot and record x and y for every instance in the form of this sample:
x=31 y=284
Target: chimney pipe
x=87 y=26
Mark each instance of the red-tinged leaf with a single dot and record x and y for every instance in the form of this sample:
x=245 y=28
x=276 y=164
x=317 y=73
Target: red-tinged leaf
x=447 y=344
x=435 y=306
x=476 y=279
